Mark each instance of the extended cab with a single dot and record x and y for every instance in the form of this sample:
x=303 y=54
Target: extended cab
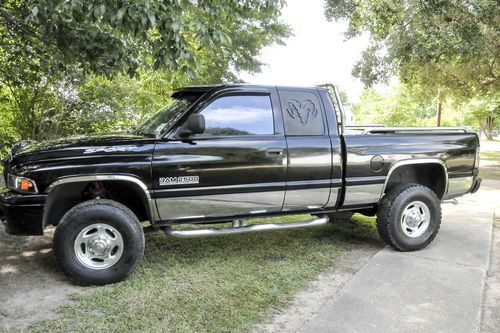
x=229 y=153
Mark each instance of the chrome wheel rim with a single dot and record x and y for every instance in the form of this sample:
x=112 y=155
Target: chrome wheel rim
x=415 y=219
x=99 y=246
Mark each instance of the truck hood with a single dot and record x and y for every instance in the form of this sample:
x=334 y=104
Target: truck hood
x=29 y=150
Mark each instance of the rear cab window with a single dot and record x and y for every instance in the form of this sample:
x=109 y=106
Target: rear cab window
x=302 y=113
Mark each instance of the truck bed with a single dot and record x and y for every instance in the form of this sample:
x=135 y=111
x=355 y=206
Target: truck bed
x=370 y=157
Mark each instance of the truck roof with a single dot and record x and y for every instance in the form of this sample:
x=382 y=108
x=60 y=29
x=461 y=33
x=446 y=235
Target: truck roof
x=201 y=89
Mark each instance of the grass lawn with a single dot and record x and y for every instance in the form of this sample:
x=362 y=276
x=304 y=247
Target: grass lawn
x=490 y=155
x=489 y=166
x=219 y=284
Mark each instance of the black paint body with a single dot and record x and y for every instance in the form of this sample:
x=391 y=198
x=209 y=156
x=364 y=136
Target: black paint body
x=282 y=173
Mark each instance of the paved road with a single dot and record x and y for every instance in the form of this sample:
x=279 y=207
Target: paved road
x=438 y=289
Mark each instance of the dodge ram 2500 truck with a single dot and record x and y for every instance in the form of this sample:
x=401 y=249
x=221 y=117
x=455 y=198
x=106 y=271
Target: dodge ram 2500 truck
x=230 y=153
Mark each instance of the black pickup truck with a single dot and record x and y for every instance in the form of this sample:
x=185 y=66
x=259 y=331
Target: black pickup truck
x=230 y=153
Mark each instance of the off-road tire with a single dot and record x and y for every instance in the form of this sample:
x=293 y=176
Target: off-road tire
x=384 y=207
x=390 y=211
x=98 y=211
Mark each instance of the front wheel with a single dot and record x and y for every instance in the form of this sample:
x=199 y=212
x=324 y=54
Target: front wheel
x=98 y=242
x=409 y=217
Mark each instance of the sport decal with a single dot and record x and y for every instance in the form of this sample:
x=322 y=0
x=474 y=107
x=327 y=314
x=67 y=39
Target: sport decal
x=109 y=149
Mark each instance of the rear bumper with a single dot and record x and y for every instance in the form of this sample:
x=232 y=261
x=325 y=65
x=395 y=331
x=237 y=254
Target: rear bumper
x=22 y=214
x=476 y=185
x=458 y=186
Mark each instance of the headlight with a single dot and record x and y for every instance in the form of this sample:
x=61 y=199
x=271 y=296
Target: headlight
x=21 y=184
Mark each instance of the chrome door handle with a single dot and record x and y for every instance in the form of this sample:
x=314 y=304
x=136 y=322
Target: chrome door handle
x=274 y=152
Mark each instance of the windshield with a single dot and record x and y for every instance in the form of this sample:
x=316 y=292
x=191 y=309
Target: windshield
x=158 y=124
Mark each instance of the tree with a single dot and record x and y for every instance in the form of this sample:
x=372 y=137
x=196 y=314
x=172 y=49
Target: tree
x=79 y=66
x=405 y=106
x=7 y=135
x=457 y=41
x=398 y=107
x=108 y=35
x=483 y=112
x=122 y=102
x=446 y=47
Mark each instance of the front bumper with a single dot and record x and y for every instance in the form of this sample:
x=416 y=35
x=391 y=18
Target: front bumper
x=22 y=214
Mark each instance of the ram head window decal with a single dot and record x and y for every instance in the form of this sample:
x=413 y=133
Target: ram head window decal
x=302 y=111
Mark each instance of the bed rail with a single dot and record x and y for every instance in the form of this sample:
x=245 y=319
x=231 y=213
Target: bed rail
x=415 y=130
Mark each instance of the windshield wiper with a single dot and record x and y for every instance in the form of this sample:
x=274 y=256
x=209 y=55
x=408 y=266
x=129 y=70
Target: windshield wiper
x=142 y=133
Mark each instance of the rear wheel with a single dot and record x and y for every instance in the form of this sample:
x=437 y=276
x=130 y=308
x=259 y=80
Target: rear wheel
x=98 y=242
x=409 y=217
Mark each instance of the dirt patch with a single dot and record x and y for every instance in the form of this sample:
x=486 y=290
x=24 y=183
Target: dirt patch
x=32 y=286
x=322 y=291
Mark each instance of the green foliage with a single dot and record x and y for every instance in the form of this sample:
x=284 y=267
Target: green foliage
x=73 y=67
x=108 y=35
x=114 y=105
x=405 y=105
x=8 y=135
x=444 y=51
x=484 y=112
x=398 y=107
x=448 y=45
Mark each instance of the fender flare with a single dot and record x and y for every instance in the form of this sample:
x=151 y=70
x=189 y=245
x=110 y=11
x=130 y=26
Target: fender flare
x=150 y=207
x=415 y=161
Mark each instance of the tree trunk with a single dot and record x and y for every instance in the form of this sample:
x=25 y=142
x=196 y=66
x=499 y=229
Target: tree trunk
x=439 y=109
x=488 y=128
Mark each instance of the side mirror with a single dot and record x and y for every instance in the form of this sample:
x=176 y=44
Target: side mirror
x=195 y=124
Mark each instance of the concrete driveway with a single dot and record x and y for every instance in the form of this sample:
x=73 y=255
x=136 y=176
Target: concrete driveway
x=438 y=289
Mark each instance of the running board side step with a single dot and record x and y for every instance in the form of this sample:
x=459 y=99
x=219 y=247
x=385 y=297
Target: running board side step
x=244 y=229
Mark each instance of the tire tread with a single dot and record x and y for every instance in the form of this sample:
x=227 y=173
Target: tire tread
x=384 y=209
x=68 y=218
x=385 y=212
